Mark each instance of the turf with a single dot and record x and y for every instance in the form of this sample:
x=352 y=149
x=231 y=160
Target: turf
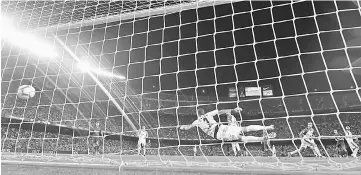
x=133 y=164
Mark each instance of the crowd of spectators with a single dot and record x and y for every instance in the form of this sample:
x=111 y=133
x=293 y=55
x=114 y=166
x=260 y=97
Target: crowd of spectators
x=163 y=118
x=23 y=140
x=177 y=105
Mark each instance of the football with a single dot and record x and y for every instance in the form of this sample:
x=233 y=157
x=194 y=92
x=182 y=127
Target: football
x=25 y=92
x=272 y=135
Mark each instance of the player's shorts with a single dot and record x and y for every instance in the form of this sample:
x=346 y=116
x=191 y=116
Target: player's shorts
x=142 y=142
x=307 y=143
x=227 y=133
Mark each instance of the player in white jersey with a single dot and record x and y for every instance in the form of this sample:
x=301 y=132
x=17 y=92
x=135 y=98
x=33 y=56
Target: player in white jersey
x=219 y=131
x=307 y=141
x=142 y=135
x=97 y=138
x=195 y=151
x=233 y=122
x=274 y=154
x=351 y=143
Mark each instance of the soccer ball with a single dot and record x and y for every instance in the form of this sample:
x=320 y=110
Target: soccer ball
x=272 y=135
x=25 y=92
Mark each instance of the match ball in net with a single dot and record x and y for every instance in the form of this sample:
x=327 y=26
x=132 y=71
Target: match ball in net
x=25 y=92
x=272 y=135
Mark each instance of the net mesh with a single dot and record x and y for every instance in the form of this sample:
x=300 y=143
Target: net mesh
x=177 y=56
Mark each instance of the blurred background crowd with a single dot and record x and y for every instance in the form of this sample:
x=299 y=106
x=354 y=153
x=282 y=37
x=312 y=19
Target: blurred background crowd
x=74 y=135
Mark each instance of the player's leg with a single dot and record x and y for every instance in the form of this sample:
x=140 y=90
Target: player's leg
x=267 y=143
x=340 y=153
x=316 y=151
x=234 y=133
x=296 y=151
x=274 y=153
x=93 y=142
x=338 y=149
x=355 y=152
x=343 y=149
x=100 y=145
x=257 y=139
x=238 y=147
x=302 y=147
x=95 y=149
x=354 y=149
x=139 y=147
x=234 y=148
x=96 y=146
x=252 y=139
x=256 y=128
x=144 y=149
x=314 y=148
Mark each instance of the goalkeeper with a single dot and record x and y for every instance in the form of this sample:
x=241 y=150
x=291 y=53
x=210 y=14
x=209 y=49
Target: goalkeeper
x=222 y=132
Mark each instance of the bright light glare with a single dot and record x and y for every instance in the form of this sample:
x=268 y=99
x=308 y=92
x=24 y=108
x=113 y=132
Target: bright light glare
x=109 y=74
x=86 y=67
x=24 y=40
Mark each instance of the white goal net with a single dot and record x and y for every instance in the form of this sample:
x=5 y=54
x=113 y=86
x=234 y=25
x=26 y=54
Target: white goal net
x=103 y=69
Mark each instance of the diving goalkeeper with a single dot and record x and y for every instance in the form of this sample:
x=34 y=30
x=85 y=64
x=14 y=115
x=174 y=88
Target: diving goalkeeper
x=219 y=131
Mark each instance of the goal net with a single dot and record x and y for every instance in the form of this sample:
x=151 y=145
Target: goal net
x=102 y=70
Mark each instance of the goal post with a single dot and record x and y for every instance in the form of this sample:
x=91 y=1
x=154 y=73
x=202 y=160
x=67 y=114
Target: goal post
x=143 y=13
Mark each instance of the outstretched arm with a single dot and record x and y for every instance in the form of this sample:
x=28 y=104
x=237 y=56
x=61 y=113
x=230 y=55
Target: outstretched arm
x=186 y=127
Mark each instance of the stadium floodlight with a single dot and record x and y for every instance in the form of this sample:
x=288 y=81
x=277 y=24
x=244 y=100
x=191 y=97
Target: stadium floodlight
x=25 y=40
x=108 y=74
x=86 y=67
x=99 y=83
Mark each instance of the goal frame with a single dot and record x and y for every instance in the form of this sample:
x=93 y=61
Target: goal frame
x=151 y=12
